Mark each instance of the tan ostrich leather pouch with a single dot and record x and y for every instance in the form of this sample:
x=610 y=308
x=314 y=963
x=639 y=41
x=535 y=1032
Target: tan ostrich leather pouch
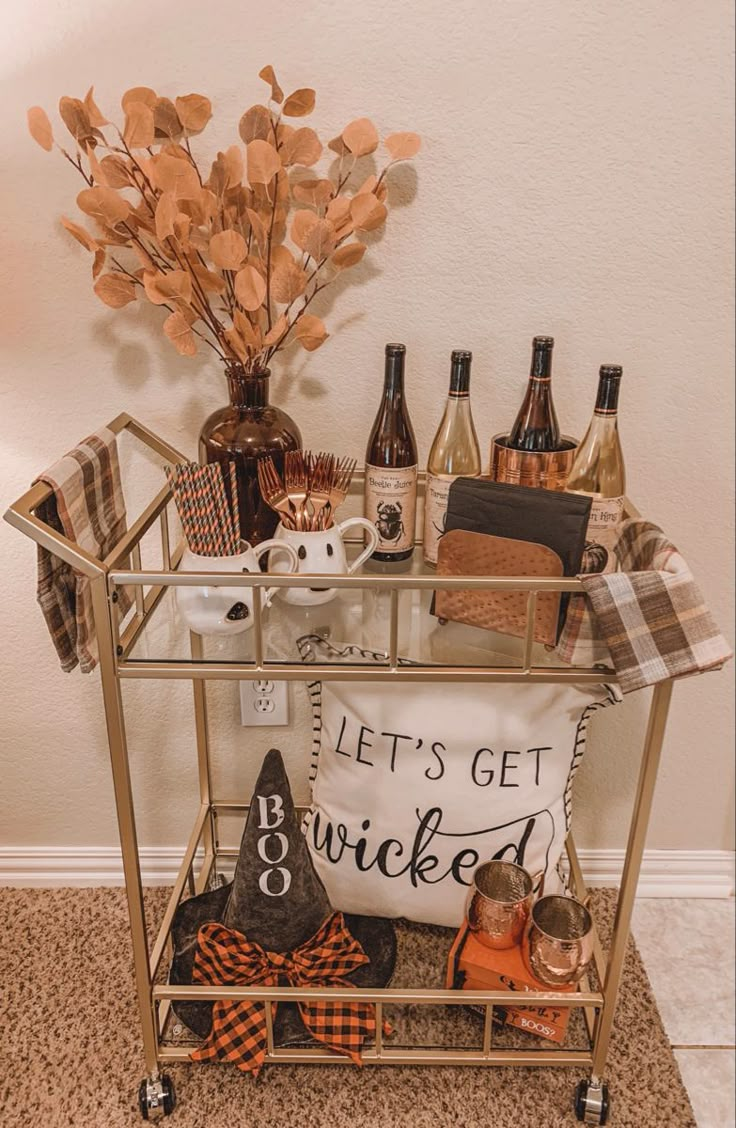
x=463 y=553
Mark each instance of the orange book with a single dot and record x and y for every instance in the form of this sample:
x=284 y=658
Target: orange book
x=473 y=967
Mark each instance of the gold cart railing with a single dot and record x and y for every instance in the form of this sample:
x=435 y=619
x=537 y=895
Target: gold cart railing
x=117 y=645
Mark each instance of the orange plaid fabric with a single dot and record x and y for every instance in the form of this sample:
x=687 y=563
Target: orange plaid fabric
x=238 y=1033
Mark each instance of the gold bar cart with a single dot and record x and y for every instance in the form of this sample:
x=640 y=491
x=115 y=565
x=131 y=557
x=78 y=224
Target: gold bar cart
x=118 y=659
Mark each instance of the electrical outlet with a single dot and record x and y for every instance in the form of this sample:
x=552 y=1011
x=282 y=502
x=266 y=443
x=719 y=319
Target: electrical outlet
x=264 y=702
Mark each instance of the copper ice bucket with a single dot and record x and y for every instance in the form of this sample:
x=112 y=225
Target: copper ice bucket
x=548 y=470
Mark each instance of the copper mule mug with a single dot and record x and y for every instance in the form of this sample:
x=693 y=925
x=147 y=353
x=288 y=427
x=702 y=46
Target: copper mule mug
x=499 y=904
x=559 y=944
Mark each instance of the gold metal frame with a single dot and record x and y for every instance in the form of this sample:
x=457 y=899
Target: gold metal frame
x=122 y=567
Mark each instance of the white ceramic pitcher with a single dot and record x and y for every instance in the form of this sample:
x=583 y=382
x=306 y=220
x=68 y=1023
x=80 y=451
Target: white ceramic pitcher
x=322 y=552
x=227 y=610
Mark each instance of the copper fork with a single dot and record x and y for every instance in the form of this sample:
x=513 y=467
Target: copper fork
x=296 y=481
x=323 y=477
x=344 y=470
x=274 y=494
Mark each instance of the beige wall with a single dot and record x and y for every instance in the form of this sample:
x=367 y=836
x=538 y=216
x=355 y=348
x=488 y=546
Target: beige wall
x=575 y=180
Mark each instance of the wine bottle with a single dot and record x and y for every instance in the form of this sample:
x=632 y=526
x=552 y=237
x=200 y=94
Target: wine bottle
x=599 y=472
x=536 y=426
x=454 y=452
x=391 y=467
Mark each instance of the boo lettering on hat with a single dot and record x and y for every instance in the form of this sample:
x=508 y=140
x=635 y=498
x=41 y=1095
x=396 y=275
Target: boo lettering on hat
x=271 y=816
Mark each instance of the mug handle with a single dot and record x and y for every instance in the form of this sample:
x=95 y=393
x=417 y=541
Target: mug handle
x=272 y=546
x=370 y=528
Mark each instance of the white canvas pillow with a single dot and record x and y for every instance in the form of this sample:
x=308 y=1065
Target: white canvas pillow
x=414 y=785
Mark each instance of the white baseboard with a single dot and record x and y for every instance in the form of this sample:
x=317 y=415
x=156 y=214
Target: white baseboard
x=664 y=873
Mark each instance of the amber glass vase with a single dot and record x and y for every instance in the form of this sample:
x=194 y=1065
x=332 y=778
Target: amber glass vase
x=242 y=432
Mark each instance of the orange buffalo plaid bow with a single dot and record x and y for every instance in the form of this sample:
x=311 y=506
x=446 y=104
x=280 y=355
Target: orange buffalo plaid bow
x=238 y=1032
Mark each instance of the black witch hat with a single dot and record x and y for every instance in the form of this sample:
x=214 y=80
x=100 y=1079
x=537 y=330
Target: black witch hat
x=275 y=899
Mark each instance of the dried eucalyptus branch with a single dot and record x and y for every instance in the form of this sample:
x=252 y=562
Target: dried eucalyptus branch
x=231 y=254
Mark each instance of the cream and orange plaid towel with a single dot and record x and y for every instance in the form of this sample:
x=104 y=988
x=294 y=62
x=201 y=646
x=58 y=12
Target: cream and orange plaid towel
x=88 y=507
x=649 y=620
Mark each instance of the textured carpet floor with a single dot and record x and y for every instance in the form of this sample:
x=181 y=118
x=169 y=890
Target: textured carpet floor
x=72 y=1055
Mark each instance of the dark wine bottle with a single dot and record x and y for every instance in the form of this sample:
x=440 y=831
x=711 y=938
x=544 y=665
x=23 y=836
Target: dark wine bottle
x=536 y=426
x=391 y=467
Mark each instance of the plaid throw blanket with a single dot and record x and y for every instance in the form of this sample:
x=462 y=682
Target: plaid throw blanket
x=87 y=507
x=238 y=1033
x=649 y=620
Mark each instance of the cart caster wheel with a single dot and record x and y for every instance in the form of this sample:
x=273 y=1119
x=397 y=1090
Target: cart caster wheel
x=156 y=1098
x=591 y=1102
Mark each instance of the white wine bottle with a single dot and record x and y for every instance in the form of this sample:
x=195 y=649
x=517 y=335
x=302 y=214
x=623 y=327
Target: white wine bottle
x=454 y=452
x=599 y=472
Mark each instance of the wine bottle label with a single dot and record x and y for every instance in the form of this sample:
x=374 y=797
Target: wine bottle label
x=391 y=504
x=604 y=525
x=435 y=514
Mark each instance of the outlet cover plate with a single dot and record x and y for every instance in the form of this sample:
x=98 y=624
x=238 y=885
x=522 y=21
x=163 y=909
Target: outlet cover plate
x=264 y=703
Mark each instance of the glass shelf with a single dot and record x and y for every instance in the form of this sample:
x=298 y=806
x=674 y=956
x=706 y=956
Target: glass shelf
x=359 y=617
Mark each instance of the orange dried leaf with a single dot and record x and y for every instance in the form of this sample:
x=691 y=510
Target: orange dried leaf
x=167 y=210
x=268 y=75
x=276 y=331
x=139 y=94
x=310 y=332
x=75 y=117
x=301 y=225
x=104 y=205
x=348 y=255
x=300 y=103
x=217 y=181
x=194 y=112
x=367 y=212
x=170 y=174
x=139 y=128
x=255 y=124
x=176 y=285
x=182 y=229
x=281 y=256
x=303 y=147
x=177 y=329
x=95 y=168
x=338 y=146
x=250 y=333
x=209 y=281
x=117 y=172
x=263 y=162
x=283 y=133
x=259 y=230
x=96 y=117
x=314 y=192
x=250 y=288
x=338 y=213
x=39 y=128
x=81 y=235
x=228 y=250
x=115 y=289
x=403 y=146
x=237 y=344
x=360 y=137
x=166 y=120
x=287 y=282
x=320 y=242
x=98 y=262
x=233 y=158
